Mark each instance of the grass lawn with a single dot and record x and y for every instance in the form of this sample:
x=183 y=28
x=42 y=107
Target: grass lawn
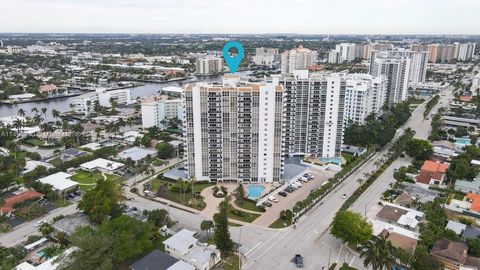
x=87 y=180
x=280 y=223
x=178 y=197
x=249 y=205
x=231 y=224
x=240 y=215
x=458 y=196
x=231 y=263
x=34 y=141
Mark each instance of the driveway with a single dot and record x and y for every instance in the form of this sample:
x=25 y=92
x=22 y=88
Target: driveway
x=273 y=213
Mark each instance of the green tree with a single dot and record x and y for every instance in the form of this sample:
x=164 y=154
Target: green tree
x=239 y=193
x=158 y=217
x=419 y=149
x=351 y=228
x=222 y=237
x=378 y=254
x=165 y=150
x=474 y=246
x=46 y=229
x=100 y=202
x=423 y=260
x=207 y=226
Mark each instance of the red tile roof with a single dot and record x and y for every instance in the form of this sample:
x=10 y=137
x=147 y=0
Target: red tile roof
x=11 y=201
x=475 y=201
x=432 y=166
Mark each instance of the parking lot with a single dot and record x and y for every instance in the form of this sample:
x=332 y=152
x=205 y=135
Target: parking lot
x=288 y=202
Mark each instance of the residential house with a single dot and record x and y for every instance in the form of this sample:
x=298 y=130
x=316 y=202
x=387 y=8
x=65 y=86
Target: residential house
x=60 y=182
x=432 y=173
x=137 y=153
x=70 y=224
x=184 y=246
x=453 y=255
x=9 y=205
x=455 y=226
x=466 y=186
x=399 y=215
x=157 y=260
x=102 y=165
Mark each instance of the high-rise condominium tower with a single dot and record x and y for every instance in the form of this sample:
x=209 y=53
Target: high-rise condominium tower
x=298 y=59
x=396 y=70
x=233 y=131
x=313 y=109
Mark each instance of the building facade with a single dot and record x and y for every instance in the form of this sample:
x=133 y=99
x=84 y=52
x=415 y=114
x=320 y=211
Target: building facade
x=396 y=70
x=313 y=113
x=298 y=59
x=266 y=56
x=209 y=65
x=233 y=131
x=364 y=95
x=158 y=111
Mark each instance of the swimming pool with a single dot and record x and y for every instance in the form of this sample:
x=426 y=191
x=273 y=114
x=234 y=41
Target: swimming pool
x=255 y=191
x=41 y=253
x=462 y=141
x=337 y=161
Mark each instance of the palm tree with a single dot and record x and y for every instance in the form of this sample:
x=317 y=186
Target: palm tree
x=378 y=254
x=34 y=110
x=207 y=226
x=55 y=114
x=21 y=112
x=44 y=111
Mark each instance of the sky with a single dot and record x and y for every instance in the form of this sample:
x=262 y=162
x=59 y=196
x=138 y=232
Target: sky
x=242 y=16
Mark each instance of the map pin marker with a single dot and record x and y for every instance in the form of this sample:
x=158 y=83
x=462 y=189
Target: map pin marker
x=233 y=62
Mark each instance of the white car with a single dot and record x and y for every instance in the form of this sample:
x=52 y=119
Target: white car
x=292 y=185
x=303 y=179
x=298 y=184
x=40 y=223
x=273 y=199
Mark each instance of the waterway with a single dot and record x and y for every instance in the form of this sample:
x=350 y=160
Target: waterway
x=63 y=104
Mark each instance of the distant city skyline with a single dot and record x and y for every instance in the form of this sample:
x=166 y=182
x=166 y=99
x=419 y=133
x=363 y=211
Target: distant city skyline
x=242 y=17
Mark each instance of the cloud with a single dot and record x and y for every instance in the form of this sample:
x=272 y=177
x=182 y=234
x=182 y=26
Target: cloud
x=242 y=16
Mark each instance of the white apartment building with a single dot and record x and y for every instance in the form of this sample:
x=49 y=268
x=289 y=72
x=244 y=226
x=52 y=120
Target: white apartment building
x=345 y=52
x=418 y=63
x=364 y=95
x=475 y=84
x=298 y=59
x=266 y=56
x=208 y=65
x=159 y=110
x=233 y=131
x=313 y=111
x=85 y=103
x=465 y=51
x=396 y=70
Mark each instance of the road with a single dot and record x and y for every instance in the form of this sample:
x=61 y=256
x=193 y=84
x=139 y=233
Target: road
x=311 y=238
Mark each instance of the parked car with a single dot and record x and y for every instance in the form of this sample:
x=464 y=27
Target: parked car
x=299 y=261
x=267 y=204
x=78 y=192
x=289 y=189
x=282 y=193
x=273 y=199
x=40 y=223
x=71 y=195
x=298 y=184
x=293 y=186
x=303 y=179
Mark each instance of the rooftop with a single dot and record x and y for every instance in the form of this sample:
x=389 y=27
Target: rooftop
x=181 y=241
x=137 y=153
x=101 y=163
x=455 y=226
x=155 y=260
x=70 y=224
x=59 y=181
x=11 y=201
